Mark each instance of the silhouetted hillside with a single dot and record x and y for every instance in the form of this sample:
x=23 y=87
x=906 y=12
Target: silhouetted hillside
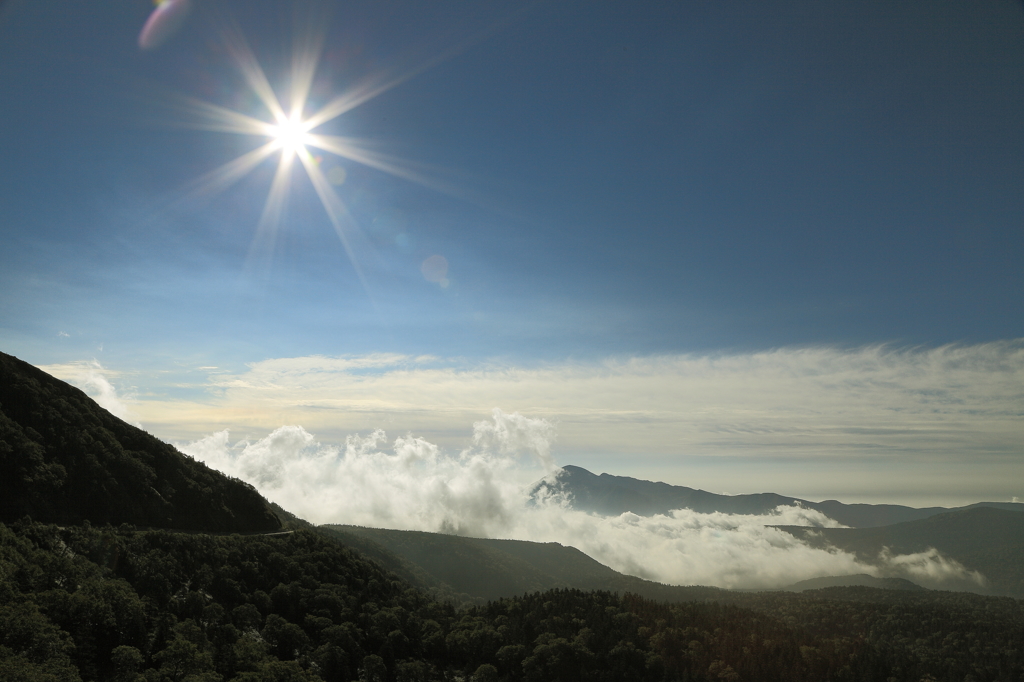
x=983 y=539
x=490 y=569
x=612 y=495
x=412 y=573
x=64 y=459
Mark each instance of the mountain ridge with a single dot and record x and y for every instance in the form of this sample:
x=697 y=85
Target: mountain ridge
x=610 y=495
x=987 y=540
x=983 y=539
x=857 y=580
x=489 y=568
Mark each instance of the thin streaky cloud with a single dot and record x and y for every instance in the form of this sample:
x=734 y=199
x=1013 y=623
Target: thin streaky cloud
x=934 y=404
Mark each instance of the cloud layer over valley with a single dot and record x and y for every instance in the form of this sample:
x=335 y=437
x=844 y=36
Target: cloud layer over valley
x=944 y=423
x=410 y=483
x=801 y=422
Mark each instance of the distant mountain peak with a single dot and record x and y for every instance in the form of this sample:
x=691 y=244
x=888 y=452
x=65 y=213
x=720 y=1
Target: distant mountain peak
x=611 y=495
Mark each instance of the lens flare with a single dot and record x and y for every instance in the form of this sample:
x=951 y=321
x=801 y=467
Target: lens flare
x=435 y=269
x=163 y=23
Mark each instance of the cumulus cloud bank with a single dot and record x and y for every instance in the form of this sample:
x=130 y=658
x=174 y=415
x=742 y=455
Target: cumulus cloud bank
x=412 y=484
x=945 y=421
x=415 y=486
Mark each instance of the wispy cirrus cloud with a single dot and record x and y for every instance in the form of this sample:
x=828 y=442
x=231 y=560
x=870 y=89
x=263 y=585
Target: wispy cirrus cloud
x=800 y=400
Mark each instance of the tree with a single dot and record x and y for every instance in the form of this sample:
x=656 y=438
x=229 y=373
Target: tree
x=373 y=669
x=486 y=673
x=127 y=660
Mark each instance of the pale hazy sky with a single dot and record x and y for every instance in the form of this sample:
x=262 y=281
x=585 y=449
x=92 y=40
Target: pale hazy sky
x=727 y=245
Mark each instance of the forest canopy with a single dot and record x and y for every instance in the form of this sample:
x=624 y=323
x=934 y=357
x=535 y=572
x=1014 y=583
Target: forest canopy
x=88 y=603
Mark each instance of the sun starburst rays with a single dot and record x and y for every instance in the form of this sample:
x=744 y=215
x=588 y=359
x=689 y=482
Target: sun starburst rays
x=291 y=135
x=288 y=135
x=277 y=198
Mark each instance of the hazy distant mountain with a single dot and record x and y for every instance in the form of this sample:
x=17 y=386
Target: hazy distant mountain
x=613 y=495
x=983 y=539
x=489 y=569
x=859 y=580
x=64 y=459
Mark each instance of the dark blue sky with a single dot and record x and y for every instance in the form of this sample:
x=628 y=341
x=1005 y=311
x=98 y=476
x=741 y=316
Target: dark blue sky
x=641 y=178
x=715 y=242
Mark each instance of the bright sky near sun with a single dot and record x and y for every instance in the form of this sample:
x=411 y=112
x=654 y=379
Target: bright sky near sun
x=730 y=245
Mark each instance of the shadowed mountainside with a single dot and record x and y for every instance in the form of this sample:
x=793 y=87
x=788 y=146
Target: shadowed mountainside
x=983 y=539
x=485 y=569
x=64 y=459
x=613 y=495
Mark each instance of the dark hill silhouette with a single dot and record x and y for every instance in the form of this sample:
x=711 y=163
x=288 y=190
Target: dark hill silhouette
x=983 y=539
x=483 y=569
x=613 y=495
x=65 y=460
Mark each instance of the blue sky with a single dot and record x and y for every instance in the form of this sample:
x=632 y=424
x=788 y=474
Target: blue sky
x=624 y=183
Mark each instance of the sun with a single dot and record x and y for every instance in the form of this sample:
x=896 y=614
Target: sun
x=290 y=135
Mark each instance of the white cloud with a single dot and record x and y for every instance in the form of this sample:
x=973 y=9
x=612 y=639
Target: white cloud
x=809 y=401
x=415 y=486
x=929 y=568
x=825 y=418
x=511 y=433
x=412 y=484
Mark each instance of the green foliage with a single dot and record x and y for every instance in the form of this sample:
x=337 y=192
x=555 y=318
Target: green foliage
x=126 y=662
x=32 y=648
x=486 y=673
x=373 y=669
x=156 y=606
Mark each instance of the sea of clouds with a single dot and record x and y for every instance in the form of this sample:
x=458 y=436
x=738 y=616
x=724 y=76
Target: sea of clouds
x=409 y=483
x=816 y=421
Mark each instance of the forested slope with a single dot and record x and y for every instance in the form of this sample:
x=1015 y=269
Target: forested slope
x=483 y=569
x=64 y=459
x=87 y=603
